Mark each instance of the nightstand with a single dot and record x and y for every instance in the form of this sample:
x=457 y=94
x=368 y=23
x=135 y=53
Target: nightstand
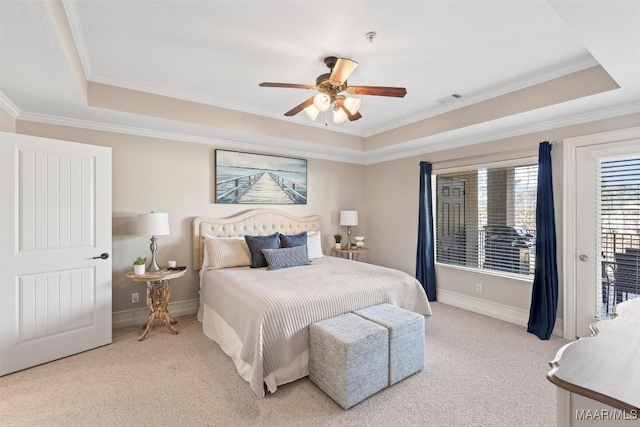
x=352 y=254
x=157 y=296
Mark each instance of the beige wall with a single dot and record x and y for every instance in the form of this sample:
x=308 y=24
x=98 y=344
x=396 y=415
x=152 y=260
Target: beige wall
x=392 y=208
x=177 y=177
x=7 y=122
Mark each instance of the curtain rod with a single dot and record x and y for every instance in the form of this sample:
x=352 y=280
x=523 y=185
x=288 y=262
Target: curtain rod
x=475 y=156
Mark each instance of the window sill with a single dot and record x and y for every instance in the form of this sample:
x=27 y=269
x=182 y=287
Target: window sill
x=520 y=278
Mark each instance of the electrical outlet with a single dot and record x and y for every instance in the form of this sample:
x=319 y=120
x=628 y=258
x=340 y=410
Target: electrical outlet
x=135 y=297
x=479 y=288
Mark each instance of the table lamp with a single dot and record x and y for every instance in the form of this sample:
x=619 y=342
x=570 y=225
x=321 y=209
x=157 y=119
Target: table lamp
x=348 y=218
x=153 y=224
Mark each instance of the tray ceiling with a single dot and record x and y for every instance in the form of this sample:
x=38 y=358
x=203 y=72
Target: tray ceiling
x=214 y=54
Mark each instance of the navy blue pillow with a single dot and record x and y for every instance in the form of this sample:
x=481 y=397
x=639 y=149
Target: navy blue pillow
x=257 y=244
x=286 y=257
x=290 y=241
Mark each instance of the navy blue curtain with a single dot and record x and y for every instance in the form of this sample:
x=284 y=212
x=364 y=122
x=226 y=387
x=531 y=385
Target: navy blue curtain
x=425 y=262
x=544 y=297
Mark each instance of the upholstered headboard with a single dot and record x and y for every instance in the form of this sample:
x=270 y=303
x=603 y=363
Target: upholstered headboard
x=257 y=222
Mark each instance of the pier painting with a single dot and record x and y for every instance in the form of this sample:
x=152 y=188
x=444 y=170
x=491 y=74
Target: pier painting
x=260 y=179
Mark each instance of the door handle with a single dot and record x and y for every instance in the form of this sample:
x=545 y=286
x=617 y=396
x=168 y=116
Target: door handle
x=103 y=256
x=583 y=258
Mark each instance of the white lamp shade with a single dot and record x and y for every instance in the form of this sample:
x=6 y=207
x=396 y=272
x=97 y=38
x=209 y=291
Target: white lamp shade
x=352 y=104
x=153 y=224
x=348 y=217
x=312 y=112
x=339 y=115
x=322 y=101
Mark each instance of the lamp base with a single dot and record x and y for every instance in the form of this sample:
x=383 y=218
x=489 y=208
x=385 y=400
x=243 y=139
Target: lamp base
x=154 y=265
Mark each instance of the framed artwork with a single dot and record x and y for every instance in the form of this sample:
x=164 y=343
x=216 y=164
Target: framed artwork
x=246 y=178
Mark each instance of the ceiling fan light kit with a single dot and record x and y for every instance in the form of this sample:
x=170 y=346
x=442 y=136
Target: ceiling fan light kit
x=322 y=101
x=352 y=104
x=339 y=115
x=312 y=112
x=330 y=85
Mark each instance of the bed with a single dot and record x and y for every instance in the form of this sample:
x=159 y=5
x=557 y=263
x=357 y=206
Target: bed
x=260 y=317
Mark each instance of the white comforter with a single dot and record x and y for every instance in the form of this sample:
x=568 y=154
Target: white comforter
x=270 y=310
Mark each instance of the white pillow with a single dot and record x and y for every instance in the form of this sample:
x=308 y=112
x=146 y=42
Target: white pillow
x=224 y=252
x=314 y=245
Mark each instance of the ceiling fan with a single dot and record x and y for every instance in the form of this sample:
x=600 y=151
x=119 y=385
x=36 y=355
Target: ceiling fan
x=330 y=86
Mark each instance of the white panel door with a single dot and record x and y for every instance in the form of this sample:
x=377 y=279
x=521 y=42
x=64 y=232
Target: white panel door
x=55 y=223
x=588 y=234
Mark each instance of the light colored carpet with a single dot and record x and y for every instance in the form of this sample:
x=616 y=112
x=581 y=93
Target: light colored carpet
x=478 y=371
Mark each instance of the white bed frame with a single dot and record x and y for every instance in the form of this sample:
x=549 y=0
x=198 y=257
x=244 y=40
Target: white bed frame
x=256 y=222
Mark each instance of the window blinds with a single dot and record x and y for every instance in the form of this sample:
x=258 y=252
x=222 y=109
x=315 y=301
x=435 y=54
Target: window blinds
x=619 y=221
x=485 y=218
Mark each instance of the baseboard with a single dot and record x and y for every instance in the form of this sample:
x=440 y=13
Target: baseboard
x=138 y=316
x=491 y=309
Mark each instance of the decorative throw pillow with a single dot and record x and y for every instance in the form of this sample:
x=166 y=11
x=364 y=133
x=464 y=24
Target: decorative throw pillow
x=223 y=252
x=286 y=257
x=289 y=241
x=314 y=245
x=257 y=244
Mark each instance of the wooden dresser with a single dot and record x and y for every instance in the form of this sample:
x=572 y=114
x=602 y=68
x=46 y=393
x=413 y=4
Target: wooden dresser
x=598 y=378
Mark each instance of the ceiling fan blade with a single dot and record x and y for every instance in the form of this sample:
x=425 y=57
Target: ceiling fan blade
x=398 y=92
x=342 y=70
x=354 y=117
x=287 y=85
x=295 y=110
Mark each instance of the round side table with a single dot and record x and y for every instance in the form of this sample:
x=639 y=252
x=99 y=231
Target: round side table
x=352 y=254
x=157 y=296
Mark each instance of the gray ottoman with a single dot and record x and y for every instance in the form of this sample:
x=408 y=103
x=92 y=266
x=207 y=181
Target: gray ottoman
x=406 y=338
x=348 y=358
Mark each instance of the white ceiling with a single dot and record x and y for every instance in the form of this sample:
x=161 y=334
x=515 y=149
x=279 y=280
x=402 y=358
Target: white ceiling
x=216 y=52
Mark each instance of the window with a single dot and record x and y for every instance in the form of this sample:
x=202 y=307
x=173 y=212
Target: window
x=486 y=218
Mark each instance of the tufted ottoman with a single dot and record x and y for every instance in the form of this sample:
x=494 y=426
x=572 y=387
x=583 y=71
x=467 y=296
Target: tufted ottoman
x=406 y=338
x=348 y=358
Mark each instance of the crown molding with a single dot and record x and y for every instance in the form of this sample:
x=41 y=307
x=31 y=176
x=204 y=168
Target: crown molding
x=314 y=151
x=73 y=18
x=214 y=102
x=397 y=152
x=8 y=106
x=512 y=86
